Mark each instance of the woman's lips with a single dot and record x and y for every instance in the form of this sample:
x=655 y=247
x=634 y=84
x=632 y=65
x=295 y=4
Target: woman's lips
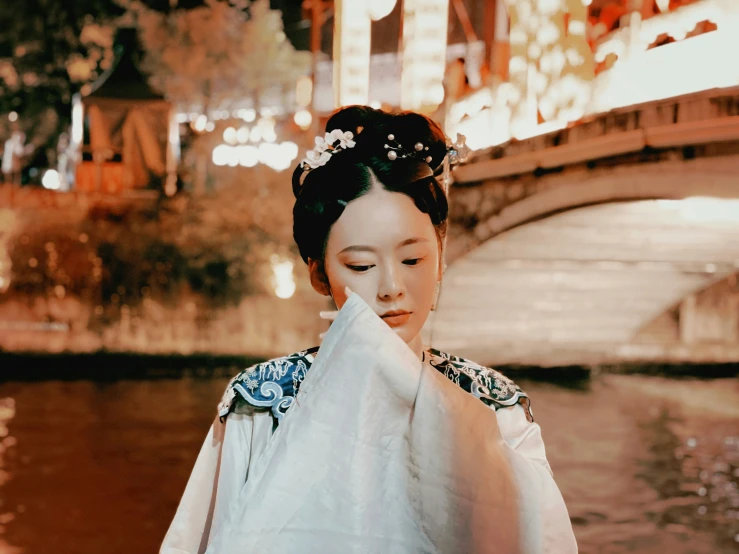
x=396 y=320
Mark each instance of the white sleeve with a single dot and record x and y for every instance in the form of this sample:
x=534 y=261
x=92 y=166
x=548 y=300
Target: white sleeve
x=212 y=490
x=546 y=525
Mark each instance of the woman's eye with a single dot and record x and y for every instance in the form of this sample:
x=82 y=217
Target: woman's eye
x=359 y=268
x=413 y=261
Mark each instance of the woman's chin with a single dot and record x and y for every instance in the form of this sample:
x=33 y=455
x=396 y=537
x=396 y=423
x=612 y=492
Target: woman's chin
x=405 y=333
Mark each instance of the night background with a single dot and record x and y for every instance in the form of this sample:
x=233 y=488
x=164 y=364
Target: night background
x=146 y=250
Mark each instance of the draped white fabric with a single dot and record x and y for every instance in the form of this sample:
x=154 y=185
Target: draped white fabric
x=379 y=454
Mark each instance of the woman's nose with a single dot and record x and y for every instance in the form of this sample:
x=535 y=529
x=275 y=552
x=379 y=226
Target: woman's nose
x=391 y=284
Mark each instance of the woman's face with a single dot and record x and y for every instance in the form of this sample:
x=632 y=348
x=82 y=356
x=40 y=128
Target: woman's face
x=386 y=250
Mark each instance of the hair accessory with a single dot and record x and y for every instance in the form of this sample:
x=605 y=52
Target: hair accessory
x=456 y=152
x=396 y=150
x=338 y=140
x=327 y=146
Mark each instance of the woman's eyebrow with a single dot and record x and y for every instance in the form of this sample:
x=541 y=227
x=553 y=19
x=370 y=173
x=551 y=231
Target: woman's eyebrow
x=364 y=248
x=357 y=248
x=414 y=240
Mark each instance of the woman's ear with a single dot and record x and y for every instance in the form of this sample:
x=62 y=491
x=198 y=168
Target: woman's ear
x=318 y=277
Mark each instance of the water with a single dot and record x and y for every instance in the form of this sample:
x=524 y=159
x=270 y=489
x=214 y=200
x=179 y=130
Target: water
x=645 y=464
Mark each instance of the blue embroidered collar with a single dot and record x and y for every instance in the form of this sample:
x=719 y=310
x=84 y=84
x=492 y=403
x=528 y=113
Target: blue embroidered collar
x=274 y=384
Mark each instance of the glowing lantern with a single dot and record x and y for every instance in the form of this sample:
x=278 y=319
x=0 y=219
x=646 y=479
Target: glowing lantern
x=352 y=52
x=380 y=8
x=424 y=54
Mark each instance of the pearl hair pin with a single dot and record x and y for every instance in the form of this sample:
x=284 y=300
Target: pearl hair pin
x=457 y=151
x=396 y=150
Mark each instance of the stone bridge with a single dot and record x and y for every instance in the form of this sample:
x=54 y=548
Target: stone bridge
x=614 y=240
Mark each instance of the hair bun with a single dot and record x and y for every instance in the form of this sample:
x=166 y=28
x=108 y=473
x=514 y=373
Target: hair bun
x=372 y=127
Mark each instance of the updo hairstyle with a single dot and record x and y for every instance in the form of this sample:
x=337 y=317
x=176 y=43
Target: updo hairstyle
x=323 y=193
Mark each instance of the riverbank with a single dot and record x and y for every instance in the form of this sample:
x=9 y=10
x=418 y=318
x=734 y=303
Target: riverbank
x=110 y=366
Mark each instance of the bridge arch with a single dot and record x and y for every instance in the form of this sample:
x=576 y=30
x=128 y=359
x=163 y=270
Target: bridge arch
x=579 y=270
x=559 y=192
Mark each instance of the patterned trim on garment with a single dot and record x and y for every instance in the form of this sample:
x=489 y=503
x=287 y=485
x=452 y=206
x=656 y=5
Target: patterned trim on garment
x=274 y=384
x=490 y=386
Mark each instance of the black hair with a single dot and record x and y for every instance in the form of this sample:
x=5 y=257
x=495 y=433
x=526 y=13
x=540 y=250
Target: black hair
x=323 y=193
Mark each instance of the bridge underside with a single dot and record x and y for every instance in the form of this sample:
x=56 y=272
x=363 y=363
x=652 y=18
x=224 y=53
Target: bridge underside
x=580 y=286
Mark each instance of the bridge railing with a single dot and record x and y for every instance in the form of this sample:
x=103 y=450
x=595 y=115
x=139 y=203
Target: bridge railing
x=671 y=54
x=679 y=52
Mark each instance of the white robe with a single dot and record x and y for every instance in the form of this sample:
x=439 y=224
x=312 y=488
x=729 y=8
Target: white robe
x=379 y=454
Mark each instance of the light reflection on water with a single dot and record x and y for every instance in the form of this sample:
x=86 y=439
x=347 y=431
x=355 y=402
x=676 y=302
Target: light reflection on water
x=645 y=464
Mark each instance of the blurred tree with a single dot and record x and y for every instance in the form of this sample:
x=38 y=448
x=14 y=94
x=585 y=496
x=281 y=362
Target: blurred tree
x=216 y=54
x=48 y=51
x=196 y=50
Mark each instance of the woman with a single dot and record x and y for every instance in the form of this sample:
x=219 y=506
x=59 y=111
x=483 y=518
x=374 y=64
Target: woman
x=374 y=442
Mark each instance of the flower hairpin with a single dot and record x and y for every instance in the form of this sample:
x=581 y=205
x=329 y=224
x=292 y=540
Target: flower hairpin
x=338 y=140
x=326 y=146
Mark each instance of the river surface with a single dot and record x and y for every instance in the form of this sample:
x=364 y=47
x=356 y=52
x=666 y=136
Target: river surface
x=645 y=464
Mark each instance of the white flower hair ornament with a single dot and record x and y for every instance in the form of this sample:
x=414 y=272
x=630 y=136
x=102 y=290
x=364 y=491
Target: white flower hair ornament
x=337 y=140
x=326 y=146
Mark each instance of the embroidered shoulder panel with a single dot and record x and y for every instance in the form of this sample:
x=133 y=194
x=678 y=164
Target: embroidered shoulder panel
x=269 y=385
x=490 y=386
x=274 y=384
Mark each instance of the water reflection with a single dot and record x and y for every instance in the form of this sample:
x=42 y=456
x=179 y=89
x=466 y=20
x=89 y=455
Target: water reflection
x=646 y=464
x=7 y=412
x=695 y=470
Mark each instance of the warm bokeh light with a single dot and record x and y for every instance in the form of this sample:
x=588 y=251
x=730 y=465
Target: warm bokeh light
x=283 y=281
x=51 y=180
x=248 y=155
x=229 y=135
x=200 y=123
x=277 y=156
x=303 y=119
x=248 y=115
x=77 y=120
x=242 y=135
x=304 y=91
x=222 y=154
